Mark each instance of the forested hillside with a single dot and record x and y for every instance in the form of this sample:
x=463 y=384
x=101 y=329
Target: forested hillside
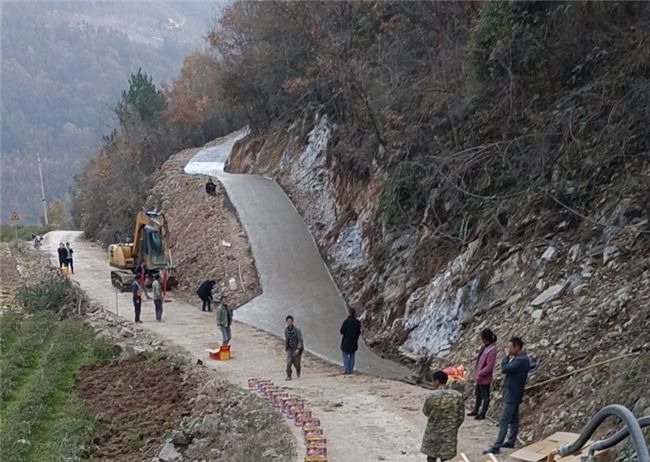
x=63 y=67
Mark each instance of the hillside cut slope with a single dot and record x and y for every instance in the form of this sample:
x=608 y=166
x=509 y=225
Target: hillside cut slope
x=518 y=199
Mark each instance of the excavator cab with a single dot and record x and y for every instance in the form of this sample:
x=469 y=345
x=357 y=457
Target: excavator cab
x=152 y=250
x=149 y=246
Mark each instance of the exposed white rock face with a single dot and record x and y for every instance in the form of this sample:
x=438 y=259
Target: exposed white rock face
x=348 y=248
x=309 y=177
x=434 y=312
x=552 y=293
x=311 y=188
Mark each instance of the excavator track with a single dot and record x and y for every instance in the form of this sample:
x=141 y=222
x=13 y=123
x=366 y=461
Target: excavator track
x=122 y=280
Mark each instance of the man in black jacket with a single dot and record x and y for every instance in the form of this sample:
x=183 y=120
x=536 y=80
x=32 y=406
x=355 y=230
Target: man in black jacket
x=63 y=255
x=350 y=330
x=515 y=366
x=205 y=294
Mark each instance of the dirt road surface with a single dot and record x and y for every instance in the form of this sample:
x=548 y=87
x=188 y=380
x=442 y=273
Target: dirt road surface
x=364 y=418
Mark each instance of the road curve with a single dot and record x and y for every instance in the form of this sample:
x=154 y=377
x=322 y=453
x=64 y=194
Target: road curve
x=294 y=278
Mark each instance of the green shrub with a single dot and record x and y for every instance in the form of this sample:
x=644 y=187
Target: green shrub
x=402 y=197
x=498 y=26
x=54 y=293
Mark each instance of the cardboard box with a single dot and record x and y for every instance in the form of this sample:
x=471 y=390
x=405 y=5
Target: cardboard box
x=539 y=451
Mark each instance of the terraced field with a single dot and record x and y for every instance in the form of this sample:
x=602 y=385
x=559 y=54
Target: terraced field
x=42 y=418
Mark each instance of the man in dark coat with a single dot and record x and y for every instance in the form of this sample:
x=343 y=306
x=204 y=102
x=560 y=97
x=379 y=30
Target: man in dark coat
x=515 y=366
x=136 y=291
x=205 y=294
x=211 y=188
x=63 y=255
x=350 y=330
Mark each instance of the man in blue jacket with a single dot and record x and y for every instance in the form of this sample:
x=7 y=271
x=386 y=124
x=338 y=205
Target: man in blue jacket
x=515 y=367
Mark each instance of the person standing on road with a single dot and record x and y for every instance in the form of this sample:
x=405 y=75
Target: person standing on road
x=157 y=297
x=140 y=274
x=515 y=366
x=205 y=294
x=293 y=344
x=69 y=253
x=63 y=255
x=224 y=320
x=445 y=412
x=487 y=356
x=136 y=290
x=350 y=330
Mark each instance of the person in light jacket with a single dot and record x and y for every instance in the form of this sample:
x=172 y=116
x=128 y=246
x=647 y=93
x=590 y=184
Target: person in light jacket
x=224 y=320
x=156 y=286
x=293 y=345
x=487 y=357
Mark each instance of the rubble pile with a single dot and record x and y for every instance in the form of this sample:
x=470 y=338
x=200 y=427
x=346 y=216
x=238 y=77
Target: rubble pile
x=207 y=240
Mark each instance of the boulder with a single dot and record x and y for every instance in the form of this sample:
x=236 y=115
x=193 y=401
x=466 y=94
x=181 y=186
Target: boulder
x=124 y=332
x=209 y=425
x=610 y=253
x=169 y=453
x=577 y=290
x=574 y=252
x=552 y=293
x=549 y=254
x=179 y=438
x=537 y=314
x=196 y=448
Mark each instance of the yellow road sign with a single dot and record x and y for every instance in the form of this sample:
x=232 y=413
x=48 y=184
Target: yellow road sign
x=14 y=216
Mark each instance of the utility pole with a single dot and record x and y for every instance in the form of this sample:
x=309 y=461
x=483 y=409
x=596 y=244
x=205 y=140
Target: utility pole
x=40 y=173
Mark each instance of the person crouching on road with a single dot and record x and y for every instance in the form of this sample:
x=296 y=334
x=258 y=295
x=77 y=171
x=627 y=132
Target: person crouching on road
x=445 y=412
x=224 y=319
x=515 y=366
x=293 y=344
x=350 y=330
x=156 y=286
x=205 y=294
x=487 y=356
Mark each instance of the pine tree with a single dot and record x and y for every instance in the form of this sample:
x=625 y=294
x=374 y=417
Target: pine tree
x=141 y=98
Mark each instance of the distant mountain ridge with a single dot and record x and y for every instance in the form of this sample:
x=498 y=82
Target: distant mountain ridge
x=63 y=67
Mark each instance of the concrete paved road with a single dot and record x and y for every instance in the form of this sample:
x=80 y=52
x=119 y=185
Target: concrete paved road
x=294 y=278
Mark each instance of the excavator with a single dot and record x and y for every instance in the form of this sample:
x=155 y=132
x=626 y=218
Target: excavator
x=149 y=246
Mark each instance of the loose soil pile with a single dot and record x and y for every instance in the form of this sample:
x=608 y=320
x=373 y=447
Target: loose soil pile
x=199 y=225
x=137 y=401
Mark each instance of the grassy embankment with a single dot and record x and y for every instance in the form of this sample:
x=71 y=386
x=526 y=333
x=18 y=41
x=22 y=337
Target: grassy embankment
x=41 y=418
x=24 y=232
